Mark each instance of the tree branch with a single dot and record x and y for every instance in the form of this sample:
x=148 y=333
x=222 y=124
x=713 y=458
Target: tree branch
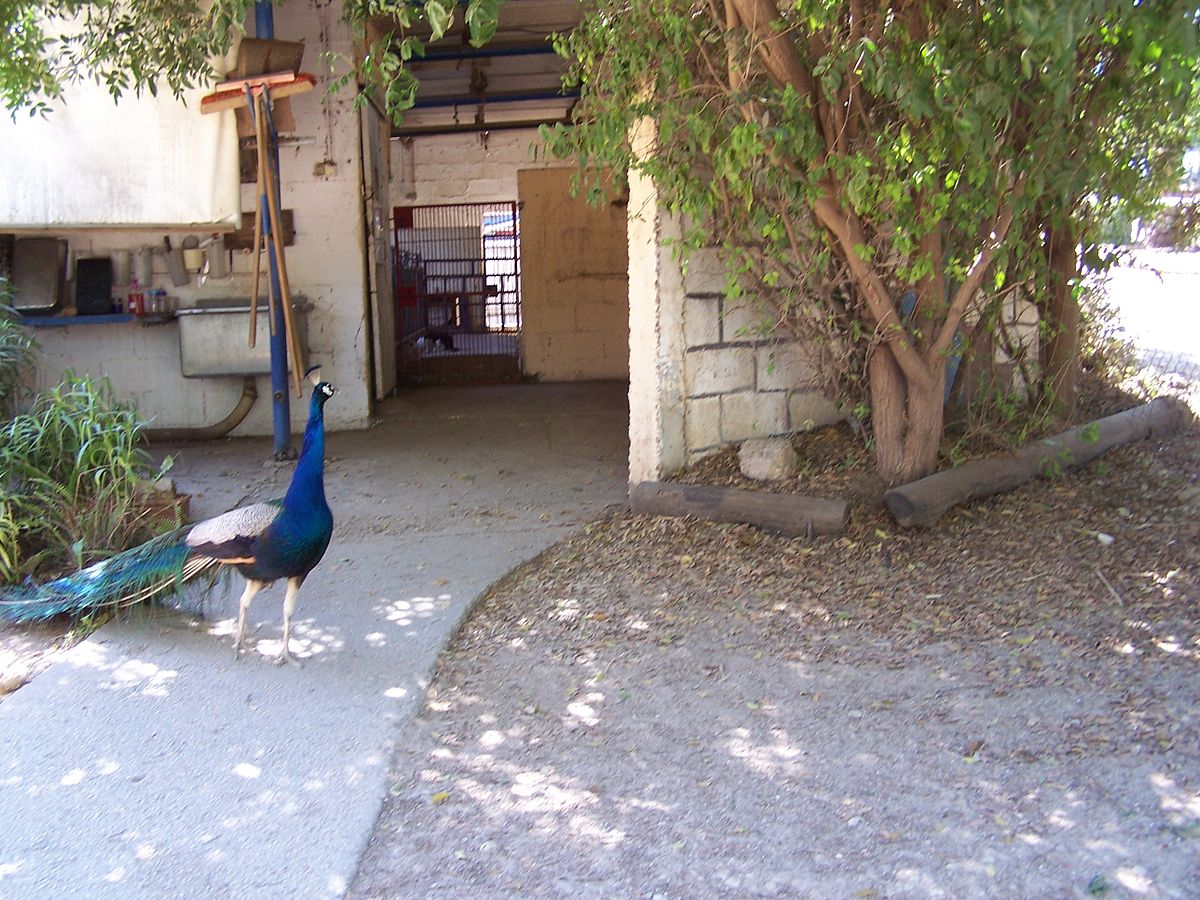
x=966 y=291
x=778 y=52
x=848 y=231
x=782 y=60
x=931 y=289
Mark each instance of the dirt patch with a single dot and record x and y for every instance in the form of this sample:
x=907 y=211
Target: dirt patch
x=1004 y=706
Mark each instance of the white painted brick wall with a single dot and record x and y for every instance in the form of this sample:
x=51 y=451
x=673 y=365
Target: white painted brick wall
x=325 y=265
x=465 y=168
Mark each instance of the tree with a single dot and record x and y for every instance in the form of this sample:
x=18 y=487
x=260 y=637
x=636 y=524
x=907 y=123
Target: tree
x=879 y=175
x=135 y=45
x=123 y=44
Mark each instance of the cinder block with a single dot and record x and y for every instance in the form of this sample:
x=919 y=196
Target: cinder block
x=753 y=414
x=484 y=189
x=704 y=272
x=544 y=318
x=702 y=422
x=1025 y=313
x=449 y=189
x=743 y=320
x=810 y=409
x=540 y=350
x=784 y=367
x=718 y=370
x=612 y=361
x=702 y=320
x=603 y=306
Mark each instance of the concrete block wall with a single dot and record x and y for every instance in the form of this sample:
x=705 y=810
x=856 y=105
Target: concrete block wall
x=739 y=382
x=574 y=285
x=464 y=168
x=574 y=282
x=320 y=183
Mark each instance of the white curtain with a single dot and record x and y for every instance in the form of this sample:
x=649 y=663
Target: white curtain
x=145 y=161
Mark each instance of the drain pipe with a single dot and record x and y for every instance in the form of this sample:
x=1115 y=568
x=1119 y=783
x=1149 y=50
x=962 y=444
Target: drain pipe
x=210 y=432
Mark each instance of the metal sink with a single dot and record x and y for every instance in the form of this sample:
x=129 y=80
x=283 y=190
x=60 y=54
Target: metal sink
x=213 y=337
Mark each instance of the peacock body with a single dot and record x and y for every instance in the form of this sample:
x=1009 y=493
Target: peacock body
x=264 y=541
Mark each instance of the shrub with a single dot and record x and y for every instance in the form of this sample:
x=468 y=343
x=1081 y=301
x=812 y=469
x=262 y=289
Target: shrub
x=17 y=349
x=75 y=477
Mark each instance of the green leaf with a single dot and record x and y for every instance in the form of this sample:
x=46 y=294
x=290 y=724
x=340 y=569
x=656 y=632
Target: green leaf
x=440 y=14
x=482 y=18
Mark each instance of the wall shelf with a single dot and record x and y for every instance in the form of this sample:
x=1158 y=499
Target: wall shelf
x=63 y=321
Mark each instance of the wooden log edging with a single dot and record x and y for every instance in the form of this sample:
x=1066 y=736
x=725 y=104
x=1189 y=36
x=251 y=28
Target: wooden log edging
x=922 y=502
x=789 y=514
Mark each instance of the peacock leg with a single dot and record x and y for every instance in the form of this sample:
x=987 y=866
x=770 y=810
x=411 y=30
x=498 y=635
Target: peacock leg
x=252 y=588
x=289 y=604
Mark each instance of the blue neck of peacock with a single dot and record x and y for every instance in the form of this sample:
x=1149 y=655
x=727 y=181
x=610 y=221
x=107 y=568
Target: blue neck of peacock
x=308 y=481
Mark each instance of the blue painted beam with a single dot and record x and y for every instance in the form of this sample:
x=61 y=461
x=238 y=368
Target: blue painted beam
x=281 y=413
x=483 y=53
x=468 y=100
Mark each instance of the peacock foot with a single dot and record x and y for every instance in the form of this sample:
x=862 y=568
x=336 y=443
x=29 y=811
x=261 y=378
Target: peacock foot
x=286 y=657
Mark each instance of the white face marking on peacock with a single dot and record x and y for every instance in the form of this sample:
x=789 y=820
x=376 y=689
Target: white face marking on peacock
x=326 y=388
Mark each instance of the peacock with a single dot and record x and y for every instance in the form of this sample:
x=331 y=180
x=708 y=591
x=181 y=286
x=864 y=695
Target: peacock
x=264 y=542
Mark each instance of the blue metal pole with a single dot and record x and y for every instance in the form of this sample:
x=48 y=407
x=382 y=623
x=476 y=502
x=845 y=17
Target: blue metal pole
x=281 y=415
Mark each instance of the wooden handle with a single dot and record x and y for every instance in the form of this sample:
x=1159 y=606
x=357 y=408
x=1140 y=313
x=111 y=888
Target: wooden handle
x=260 y=138
x=285 y=291
x=257 y=253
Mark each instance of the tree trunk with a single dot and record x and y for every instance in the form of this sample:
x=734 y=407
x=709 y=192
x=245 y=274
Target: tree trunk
x=906 y=419
x=1060 y=346
x=888 y=396
x=977 y=371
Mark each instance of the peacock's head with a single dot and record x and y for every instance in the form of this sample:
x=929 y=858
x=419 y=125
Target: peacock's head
x=322 y=390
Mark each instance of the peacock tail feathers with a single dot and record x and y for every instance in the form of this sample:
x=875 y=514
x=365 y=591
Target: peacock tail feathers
x=161 y=566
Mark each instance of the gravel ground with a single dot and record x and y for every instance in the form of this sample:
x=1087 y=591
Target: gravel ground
x=1007 y=705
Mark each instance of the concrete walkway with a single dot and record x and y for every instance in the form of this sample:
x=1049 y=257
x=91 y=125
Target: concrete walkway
x=148 y=763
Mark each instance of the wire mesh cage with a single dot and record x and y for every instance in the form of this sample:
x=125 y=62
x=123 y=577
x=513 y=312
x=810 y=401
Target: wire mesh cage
x=458 y=296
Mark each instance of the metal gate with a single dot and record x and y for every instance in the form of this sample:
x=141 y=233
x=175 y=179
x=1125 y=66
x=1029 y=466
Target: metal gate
x=458 y=297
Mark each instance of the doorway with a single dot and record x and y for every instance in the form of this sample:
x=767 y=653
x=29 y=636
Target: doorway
x=458 y=293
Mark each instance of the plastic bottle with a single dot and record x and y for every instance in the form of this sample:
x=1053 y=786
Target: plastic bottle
x=137 y=300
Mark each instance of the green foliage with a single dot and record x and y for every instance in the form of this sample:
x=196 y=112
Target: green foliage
x=383 y=66
x=135 y=45
x=74 y=477
x=126 y=45
x=999 y=421
x=900 y=148
x=1090 y=432
x=17 y=349
x=1105 y=348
